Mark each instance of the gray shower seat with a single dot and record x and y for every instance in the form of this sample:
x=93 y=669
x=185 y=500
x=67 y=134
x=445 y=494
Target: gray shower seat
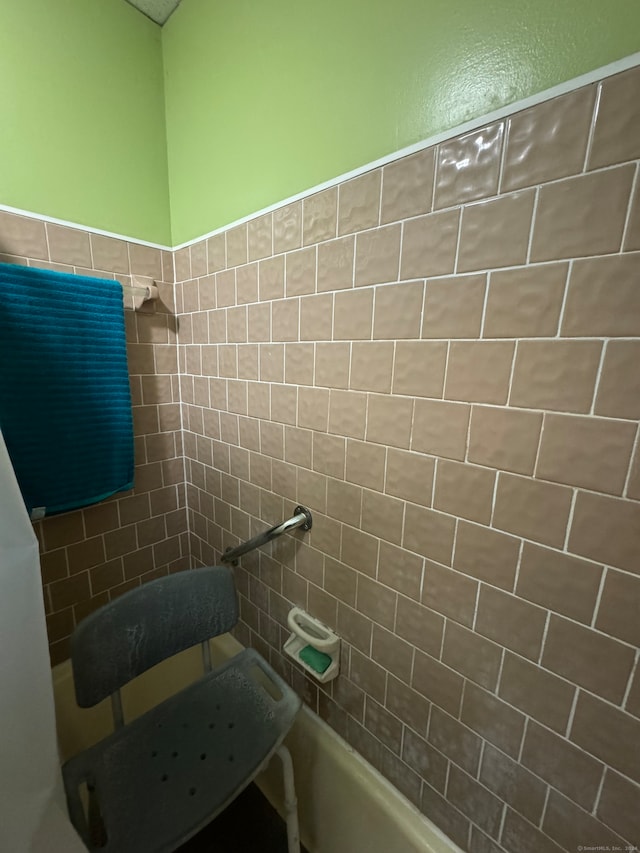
x=162 y=777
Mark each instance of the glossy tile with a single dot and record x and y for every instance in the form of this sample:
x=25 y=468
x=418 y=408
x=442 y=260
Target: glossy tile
x=409 y=476
x=504 y=438
x=479 y=371
x=377 y=256
x=632 y=240
x=22 y=235
x=585 y=657
x=453 y=307
x=603 y=297
x=582 y=216
x=271 y=278
x=237 y=250
x=525 y=301
x=109 y=254
x=561 y=582
x=353 y=315
x=440 y=428
x=471 y=655
x=359 y=203
x=301 y=272
x=518 y=787
x=69 y=245
x=216 y=253
x=617 y=131
x=565 y=767
x=347 y=413
x=589 y=452
x=496 y=233
x=287 y=227
x=468 y=166
x=407 y=186
x=548 y=141
x=619 y=607
x=372 y=366
x=557 y=375
x=606 y=732
x=486 y=554
x=618 y=392
x=319 y=216
x=389 y=420
x=398 y=311
x=418 y=369
x=335 y=264
x=532 y=509
x=429 y=244
x=464 y=490
x=316 y=318
x=604 y=529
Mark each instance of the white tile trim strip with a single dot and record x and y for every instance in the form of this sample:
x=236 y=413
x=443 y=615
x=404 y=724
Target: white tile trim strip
x=594 y=76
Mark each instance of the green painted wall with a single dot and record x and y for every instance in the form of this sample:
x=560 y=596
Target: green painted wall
x=82 y=113
x=267 y=98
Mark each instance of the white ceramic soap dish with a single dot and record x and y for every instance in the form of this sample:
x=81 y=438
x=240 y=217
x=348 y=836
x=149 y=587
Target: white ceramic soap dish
x=310 y=645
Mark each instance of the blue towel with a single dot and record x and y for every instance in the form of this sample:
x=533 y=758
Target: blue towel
x=65 y=402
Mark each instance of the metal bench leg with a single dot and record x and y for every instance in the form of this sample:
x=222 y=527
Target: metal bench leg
x=290 y=801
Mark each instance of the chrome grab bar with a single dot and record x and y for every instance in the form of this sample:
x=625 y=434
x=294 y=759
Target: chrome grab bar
x=302 y=519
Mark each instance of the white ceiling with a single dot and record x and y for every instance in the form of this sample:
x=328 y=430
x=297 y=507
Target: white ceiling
x=158 y=10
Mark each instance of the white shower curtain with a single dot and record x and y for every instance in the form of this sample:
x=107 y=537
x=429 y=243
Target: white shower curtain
x=33 y=815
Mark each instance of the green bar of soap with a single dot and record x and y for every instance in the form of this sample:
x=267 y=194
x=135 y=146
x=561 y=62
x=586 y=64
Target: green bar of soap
x=315 y=659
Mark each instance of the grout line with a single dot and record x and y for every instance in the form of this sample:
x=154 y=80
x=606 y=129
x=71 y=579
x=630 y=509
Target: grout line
x=534 y=214
x=500 y=670
x=455 y=540
x=434 y=178
x=494 y=498
x=524 y=737
x=446 y=370
x=502 y=822
x=433 y=482
x=599 y=793
x=596 y=606
x=487 y=285
x=603 y=352
x=592 y=126
x=543 y=814
x=503 y=153
x=539 y=446
x=512 y=373
x=475 y=607
x=572 y=712
x=516 y=577
x=574 y=498
x=461 y=209
x=565 y=295
x=421 y=585
x=543 y=642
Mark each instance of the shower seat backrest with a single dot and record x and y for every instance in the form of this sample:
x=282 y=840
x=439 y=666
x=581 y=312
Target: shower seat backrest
x=147 y=625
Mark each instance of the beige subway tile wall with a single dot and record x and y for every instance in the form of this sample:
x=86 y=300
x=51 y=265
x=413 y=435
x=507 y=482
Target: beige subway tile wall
x=92 y=555
x=440 y=358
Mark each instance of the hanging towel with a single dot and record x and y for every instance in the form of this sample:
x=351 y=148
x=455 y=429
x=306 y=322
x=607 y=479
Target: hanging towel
x=65 y=402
